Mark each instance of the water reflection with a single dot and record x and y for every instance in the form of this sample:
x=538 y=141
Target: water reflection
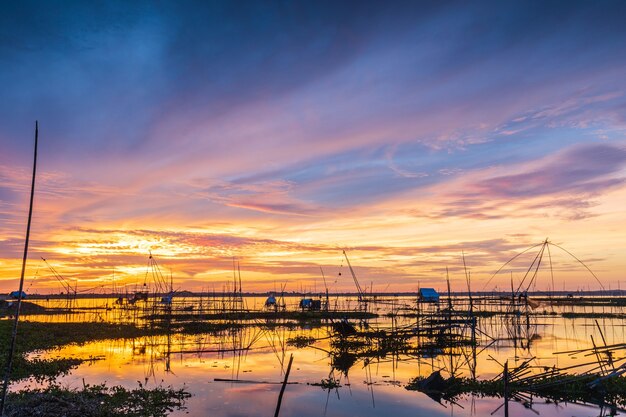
x=237 y=369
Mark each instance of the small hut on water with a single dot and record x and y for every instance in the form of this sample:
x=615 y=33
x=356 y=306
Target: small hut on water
x=428 y=295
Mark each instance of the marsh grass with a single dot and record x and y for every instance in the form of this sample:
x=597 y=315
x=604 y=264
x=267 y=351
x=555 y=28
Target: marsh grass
x=37 y=337
x=95 y=401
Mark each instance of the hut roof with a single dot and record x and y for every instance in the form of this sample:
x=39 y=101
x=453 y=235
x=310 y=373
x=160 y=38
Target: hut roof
x=428 y=293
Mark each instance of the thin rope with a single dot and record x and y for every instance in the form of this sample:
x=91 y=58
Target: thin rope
x=508 y=262
x=581 y=262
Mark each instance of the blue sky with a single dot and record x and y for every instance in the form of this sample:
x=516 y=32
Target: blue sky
x=403 y=125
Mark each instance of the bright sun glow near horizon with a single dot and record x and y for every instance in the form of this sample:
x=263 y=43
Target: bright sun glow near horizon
x=279 y=136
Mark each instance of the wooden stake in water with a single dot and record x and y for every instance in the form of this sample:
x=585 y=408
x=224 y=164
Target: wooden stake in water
x=282 y=389
x=505 y=377
x=7 y=374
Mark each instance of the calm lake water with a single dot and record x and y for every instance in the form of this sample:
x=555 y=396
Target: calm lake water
x=371 y=385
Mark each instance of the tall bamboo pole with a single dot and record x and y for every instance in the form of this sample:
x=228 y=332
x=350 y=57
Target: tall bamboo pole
x=7 y=374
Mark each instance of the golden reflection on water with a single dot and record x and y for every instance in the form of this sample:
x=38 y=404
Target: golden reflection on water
x=258 y=355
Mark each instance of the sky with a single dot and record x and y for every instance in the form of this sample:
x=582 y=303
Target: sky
x=278 y=134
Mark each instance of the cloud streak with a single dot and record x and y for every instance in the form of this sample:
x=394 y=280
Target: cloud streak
x=282 y=132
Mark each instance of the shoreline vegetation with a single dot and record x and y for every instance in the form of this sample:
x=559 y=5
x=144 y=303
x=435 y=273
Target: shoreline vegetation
x=37 y=337
x=96 y=401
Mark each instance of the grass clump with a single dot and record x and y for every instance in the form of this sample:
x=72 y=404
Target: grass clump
x=330 y=383
x=95 y=401
x=300 y=341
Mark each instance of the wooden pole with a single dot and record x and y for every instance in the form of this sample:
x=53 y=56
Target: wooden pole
x=506 y=388
x=282 y=389
x=7 y=374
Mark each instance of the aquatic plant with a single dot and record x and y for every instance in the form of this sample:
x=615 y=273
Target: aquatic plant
x=96 y=401
x=35 y=337
x=330 y=383
x=300 y=341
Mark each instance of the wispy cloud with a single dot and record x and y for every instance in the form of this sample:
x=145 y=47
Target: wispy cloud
x=280 y=133
x=567 y=181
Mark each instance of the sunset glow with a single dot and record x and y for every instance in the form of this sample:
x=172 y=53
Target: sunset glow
x=279 y=135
